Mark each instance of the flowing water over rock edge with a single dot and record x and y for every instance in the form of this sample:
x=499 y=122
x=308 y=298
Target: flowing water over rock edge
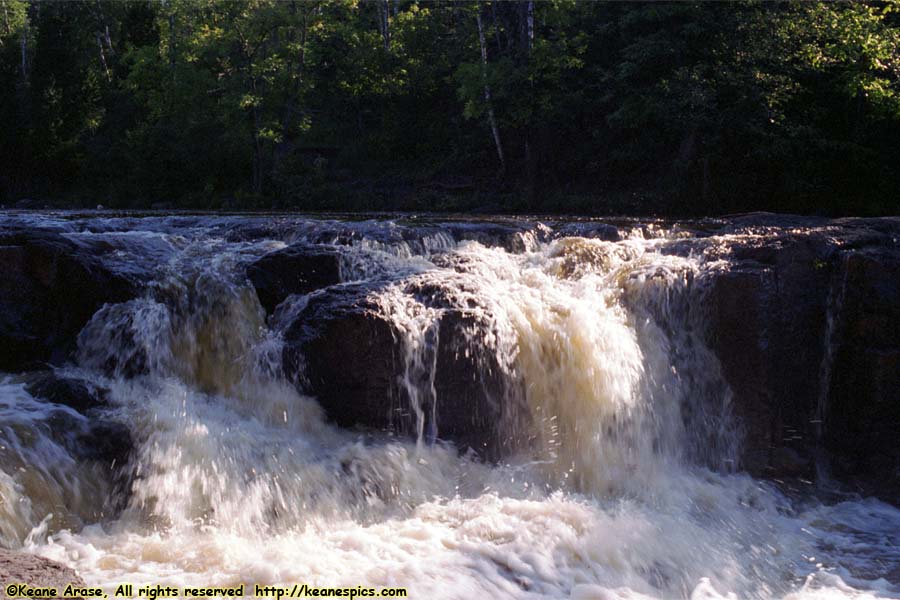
x=526 y=408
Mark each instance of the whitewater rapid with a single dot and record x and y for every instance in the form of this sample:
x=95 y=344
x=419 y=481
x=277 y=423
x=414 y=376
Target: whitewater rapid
x=624 y=487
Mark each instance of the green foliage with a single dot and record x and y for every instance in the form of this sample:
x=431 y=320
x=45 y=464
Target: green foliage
x=684 y=107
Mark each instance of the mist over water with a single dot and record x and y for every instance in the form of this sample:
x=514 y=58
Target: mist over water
x=618 y=478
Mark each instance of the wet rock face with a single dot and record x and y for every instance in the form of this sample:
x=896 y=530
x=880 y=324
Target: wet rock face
x=475 y=407
x=108 y=442
x=78 y=394
x=98 y=438
x=75 y=414
x=294 y=270
x=804 y=321
x=806 y=325
x=49 y=288
x=738 y=306
x=344 y=351
x=768 y=315
x=340 y=350
x=863 y=412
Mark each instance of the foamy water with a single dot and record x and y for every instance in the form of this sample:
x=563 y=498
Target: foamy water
x=621 y=483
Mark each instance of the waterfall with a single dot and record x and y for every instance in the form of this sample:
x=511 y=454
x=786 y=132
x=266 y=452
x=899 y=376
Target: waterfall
x=834 y=304
x=617 y=476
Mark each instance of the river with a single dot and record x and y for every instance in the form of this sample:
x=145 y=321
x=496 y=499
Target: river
x=617 y=469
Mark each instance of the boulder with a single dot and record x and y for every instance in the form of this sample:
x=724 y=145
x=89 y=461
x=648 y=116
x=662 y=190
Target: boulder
x=78 y=394
x=21 y=567
x=118 y=342
x=106 y=441
x=297 y=269
x=49 y=288
x=97 y=438
x=94 y=438
x=342 y=349
x=473 y=402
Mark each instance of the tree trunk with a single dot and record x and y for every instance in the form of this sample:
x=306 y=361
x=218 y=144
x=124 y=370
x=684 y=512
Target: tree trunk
x=530 y=23
x=22 y=85
x=6 y=19
x=496 y=29
x=24 y=54
x=530 y=166
x=387 y=25
x=487 y=93
x=384 y=12
x=103 y=62
x=101 y=21
x=172 y=42
x=25 y=106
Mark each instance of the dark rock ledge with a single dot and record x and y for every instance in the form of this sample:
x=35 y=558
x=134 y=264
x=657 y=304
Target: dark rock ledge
x=49 y=288
x=805 y=322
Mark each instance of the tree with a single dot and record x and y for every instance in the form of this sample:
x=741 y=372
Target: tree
x=680 y=108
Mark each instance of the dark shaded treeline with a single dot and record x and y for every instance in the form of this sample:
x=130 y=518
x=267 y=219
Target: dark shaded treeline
x=682 y=108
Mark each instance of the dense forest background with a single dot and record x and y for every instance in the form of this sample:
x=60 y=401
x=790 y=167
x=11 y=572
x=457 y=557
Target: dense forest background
x=670 y=108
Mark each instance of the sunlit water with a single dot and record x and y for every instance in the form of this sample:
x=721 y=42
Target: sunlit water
x=624 y=488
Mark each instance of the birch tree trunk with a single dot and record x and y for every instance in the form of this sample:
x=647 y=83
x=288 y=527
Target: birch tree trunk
x=384 y=12
x=22 y=85
x=492 y=120
x=530 y=23
x=6 y=19
x=25 y=54
x=529 y=44
x=103 y=62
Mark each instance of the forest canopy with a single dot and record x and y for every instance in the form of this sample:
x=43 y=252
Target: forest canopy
x=669 y=108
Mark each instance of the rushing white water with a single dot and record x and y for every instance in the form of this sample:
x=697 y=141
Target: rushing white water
x=623 y=488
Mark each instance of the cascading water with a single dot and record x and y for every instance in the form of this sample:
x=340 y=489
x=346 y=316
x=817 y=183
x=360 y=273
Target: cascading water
x=836 y=292
x=620 y=481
